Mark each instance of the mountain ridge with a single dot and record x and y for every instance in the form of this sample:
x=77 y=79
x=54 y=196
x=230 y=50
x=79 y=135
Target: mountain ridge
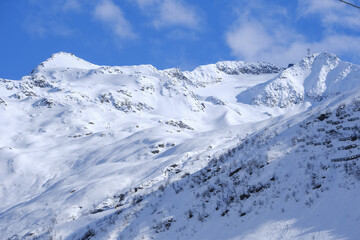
x=100 y=152
x=305 y=81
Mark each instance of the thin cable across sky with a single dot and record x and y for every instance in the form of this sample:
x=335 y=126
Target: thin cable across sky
x=349 y=4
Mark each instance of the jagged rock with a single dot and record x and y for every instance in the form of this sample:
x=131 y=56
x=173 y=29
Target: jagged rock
x=236 y=68
x=41 y=81
x=176 y=73
x=179 y=124
x=29 y=93
x=124 y=104
x=215 y=100
x=2 y=102
x=45 y=102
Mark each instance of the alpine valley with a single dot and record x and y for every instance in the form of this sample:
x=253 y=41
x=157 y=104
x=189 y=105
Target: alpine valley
x=232 y=150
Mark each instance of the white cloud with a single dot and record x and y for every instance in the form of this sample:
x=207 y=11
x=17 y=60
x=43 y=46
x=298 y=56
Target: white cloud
x=294 y=51
x=166 y=13
x=249 y=39
x=176 y=13
x=332 y=13
x=112 y=16
x=51 y=17
x=272 y=40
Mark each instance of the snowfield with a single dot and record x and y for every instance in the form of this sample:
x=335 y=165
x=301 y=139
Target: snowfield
x=232 y=150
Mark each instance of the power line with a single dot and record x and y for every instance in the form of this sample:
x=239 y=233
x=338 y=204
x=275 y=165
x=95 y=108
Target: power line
x=349 y=4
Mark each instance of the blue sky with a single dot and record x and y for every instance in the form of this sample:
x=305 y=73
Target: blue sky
x=174 y=33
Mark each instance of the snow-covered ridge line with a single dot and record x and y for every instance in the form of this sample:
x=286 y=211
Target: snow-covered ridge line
x=69 y=60
x=232 y=150
x=316 y=77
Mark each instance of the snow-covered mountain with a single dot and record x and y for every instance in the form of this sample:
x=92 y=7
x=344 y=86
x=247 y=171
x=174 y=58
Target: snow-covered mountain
x=232 y=150
x=317 y=77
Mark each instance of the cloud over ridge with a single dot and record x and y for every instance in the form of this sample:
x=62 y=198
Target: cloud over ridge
x=113 y=17
x=273 y=37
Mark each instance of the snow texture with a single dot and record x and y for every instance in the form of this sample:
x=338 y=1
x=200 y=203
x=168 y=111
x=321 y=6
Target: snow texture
x=232 y=150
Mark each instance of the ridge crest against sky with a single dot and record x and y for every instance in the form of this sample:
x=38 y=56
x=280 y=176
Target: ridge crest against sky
x=174 y=33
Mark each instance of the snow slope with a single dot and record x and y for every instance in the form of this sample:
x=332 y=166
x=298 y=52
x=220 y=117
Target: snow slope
x=232 y=150
x=297 y=178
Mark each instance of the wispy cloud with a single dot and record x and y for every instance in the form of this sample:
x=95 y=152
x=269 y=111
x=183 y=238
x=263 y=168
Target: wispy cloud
x=50 y=18
x=169 y=13
x=146 y=3
x=47 y=18
x=273 y=38
x=332 y=13
x=173 y=12
x=73 y=5
x=113 y=17
x=38 y=28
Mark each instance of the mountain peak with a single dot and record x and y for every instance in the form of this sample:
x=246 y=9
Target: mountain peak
x=64 y=60
x=326 y=55
x=318 y=58
x=316 y=77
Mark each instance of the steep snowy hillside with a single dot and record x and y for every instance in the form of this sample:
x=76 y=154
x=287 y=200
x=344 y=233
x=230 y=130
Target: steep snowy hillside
x=232 y=150
x=296 y=178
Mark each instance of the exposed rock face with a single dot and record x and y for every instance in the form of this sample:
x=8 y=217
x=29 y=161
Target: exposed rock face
x=236 y=68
